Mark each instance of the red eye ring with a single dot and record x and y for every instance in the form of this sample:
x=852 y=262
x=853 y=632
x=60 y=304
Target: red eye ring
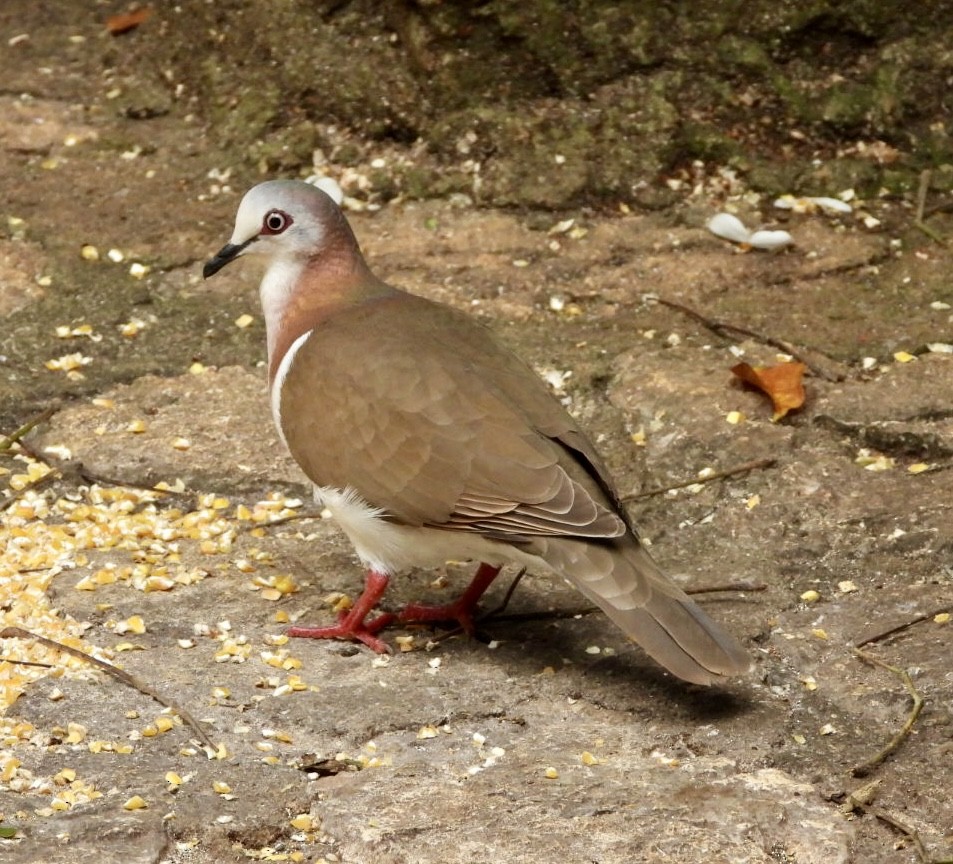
x=275 y=222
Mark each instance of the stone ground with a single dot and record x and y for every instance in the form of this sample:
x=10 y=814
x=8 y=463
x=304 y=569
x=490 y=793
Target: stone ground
x=444 y=754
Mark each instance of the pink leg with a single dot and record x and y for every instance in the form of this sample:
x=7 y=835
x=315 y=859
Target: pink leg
x=461 y=610
x=351 y=623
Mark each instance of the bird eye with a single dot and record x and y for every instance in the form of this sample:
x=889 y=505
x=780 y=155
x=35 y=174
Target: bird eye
x=275 y=222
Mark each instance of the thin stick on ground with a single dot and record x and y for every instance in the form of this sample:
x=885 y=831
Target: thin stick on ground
x=910 y=833
x=757 y=464
x=26 y=428
x=118 y=674
x=52 y=475
x=729 y=331
x=864 y=768
x=926 y=616
x=506 y=597
x=924 y=188
x=729 y=587
x=14 y=662
x=283 y=520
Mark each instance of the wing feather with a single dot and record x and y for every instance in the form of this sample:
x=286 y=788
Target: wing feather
x=427 y=417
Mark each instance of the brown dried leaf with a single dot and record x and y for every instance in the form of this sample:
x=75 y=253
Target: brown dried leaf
x=116 y=25
x=781 y=383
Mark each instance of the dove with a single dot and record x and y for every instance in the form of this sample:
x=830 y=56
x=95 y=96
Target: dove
x=427 y=441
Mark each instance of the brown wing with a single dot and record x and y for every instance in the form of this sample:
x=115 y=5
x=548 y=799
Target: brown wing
x=426 y=416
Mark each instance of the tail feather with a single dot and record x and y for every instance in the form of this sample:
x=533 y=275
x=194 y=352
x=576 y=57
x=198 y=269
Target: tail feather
x=630 y=588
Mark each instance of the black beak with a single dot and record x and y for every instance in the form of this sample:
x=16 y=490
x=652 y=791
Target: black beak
x=229 y=252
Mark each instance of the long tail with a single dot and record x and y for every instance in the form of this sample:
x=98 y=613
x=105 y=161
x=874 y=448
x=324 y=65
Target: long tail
x=629 y=587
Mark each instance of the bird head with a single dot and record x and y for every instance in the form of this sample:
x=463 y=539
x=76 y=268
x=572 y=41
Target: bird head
x=280 y=220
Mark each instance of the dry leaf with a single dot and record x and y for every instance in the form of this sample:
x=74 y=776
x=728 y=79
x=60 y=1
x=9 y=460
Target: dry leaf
x=116 y=25
x=782 y=383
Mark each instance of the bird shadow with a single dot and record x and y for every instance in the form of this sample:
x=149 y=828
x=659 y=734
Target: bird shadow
x=625 y=679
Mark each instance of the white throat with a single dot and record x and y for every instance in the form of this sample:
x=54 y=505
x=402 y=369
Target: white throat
x=277 y=286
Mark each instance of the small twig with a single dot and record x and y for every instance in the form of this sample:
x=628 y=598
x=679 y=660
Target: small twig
x=942 y=207
x=740 y=587
x=118 y=674
x=26 y=428
x=282 y=520
x=911 y=834
x=26 y=663
x=589 y=610
x=933 y=235
x=39 y=483
x=727 y=331
x=926 y=616
x=922 y=191
x=904 y=829
x=506 y=597
x=553 y=615
x=718 y=475
x=862 y=800
x=864 y=768
x=918 y=222
x=74 y=468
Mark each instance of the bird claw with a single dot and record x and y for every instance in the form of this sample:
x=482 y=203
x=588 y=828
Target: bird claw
x=351 y=624
x=360 y=631
x=417 y=613
x=462 y=610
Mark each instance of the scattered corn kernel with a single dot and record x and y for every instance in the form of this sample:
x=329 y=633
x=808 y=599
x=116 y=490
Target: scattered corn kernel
x=405 y=643
x=76 y=732
x=131 y=328
x=133 y=624
x=164 y=723
x=302 y=822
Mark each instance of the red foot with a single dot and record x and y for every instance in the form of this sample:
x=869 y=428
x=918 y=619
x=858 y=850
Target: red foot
x=461 y=610
x=351 y=623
